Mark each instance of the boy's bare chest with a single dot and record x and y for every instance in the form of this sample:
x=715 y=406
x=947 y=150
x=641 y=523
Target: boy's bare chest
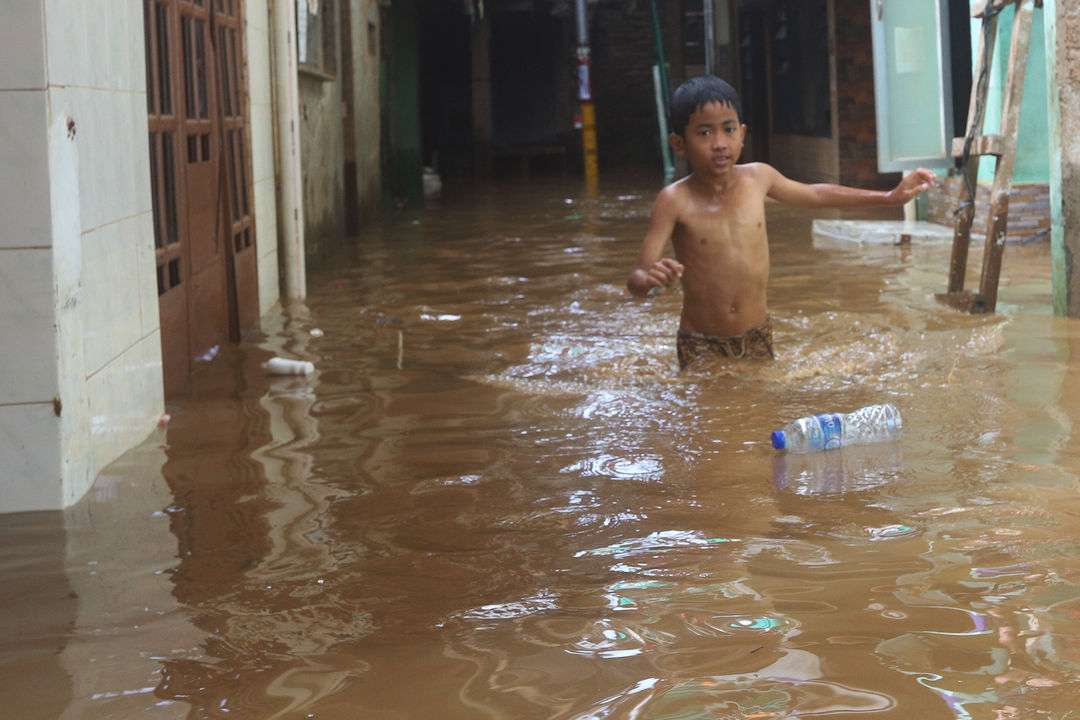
x=717 y=226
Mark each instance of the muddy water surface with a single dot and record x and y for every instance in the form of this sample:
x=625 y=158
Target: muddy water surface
x=497 y=498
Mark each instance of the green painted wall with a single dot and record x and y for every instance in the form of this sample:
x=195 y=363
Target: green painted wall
x=1033 y=148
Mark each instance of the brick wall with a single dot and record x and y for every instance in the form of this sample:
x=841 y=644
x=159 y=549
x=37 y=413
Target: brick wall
x=623 y=55
x=1029 y=208
x=855 y=98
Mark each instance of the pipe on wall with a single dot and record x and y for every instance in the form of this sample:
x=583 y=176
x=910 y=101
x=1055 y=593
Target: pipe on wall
x=289 y=180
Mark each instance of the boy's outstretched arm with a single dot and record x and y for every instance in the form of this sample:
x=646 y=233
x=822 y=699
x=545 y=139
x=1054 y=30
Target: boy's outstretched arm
x=841 y=196
x=652 y=271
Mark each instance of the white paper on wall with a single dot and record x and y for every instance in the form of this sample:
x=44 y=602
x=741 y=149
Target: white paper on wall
x=301 y=31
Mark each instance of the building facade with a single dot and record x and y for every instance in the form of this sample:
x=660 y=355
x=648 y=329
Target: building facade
x=141 y=183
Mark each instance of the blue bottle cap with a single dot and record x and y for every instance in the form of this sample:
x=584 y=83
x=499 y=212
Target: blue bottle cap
x=778 y=439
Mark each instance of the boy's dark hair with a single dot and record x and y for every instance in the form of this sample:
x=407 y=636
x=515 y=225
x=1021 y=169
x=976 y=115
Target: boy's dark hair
x=696 y=93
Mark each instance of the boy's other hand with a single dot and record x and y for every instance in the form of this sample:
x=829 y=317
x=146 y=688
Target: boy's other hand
x=663 y=274
x=915 y=182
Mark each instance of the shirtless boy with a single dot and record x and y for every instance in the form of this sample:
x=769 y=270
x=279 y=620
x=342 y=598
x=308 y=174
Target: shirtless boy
x=715 y=219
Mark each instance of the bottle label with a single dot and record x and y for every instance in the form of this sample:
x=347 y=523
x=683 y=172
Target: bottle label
x=833 y=428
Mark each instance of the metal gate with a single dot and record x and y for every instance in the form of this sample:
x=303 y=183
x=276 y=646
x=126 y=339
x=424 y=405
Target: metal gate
x=204 y=233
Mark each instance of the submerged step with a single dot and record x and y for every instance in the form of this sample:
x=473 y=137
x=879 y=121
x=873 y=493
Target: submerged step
x=879 y=232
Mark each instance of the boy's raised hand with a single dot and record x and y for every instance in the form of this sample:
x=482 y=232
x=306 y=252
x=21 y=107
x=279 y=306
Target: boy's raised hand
x=913 y=183
x=663 y=274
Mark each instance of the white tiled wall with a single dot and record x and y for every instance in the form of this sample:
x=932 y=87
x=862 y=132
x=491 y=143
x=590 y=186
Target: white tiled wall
x=31 y=451
x=22 y=46
x=97 y=78
x=24 y=194
x=257 y=39
x=262 y=142
x=114 y=163
x=146 y=270
x=96 y=44
x=117 y=395
x=115 y=306
x=78 y=305
x=29 y=429
x=266 y=223
x=28 y=350
x=76 y=471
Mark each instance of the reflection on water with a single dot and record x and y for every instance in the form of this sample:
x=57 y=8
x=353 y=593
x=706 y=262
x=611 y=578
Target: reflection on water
x=840 y=473
x=497 y=497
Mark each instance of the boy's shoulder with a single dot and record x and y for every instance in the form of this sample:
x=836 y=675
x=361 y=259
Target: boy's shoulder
x=674 y=198
x=682 y=188
x=754 y=169
x=673 y=192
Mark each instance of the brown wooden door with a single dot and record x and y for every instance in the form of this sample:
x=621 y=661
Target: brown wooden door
x=239 y=221
x=204 y=231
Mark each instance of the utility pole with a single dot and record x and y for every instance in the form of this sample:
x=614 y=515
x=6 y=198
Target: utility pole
x=588 y=111
x=707 y=13
x=663 y=95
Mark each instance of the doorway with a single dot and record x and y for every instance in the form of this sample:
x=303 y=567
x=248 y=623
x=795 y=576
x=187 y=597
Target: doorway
x=204 y=233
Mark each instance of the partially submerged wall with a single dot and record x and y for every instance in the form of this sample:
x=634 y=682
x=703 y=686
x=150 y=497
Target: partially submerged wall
x=1068 y=84
x=321 y=141
x=365 y=62
x=321 y=132
x=257 y=42
x=82 y=351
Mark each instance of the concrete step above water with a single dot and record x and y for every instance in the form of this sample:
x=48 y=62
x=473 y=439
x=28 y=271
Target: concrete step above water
x=879 y=232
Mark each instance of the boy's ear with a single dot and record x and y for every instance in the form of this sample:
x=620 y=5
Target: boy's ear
x=677 y=142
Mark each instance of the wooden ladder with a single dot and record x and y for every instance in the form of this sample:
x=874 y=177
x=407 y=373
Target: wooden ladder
x=1003 y=146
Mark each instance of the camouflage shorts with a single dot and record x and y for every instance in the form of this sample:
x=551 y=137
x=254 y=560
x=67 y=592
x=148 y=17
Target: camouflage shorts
x=754 y=343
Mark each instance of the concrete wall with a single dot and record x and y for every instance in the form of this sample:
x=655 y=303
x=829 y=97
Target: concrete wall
x=260 y=98
x=623 y=53
x=82 y=353
x=807 y=159
x=321 y=147
x=324 y=121
x=366 y=126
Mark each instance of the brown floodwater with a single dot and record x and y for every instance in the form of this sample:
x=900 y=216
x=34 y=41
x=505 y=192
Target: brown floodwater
x=497 y=497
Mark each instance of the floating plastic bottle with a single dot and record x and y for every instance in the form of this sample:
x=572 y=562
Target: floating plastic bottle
x=872 y=424
x=285 y=366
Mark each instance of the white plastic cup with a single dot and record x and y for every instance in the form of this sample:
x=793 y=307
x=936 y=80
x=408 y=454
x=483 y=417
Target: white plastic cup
x=284 y=366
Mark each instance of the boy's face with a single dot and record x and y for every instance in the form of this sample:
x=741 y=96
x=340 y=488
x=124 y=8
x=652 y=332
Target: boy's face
x=713 y=139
